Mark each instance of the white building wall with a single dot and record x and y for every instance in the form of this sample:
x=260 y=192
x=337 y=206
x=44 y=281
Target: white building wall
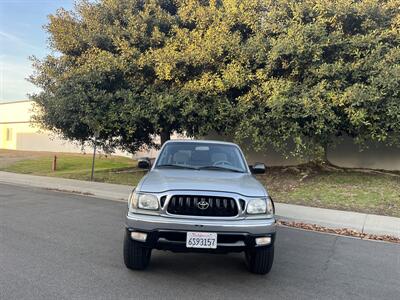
x=19 y=111
x=28 y=137
x=25 y=136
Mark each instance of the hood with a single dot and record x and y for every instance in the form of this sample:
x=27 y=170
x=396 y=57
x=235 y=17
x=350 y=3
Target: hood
x=158 y=181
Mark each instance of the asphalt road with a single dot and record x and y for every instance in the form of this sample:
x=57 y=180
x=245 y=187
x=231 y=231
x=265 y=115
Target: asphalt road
x=56 y=246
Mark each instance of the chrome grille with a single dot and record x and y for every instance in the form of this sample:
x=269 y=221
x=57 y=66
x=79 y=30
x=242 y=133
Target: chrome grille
x=202 y=206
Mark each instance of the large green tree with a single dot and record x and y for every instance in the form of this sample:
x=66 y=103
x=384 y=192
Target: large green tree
x=331 y=68
x=134 y=69
x=272 y=72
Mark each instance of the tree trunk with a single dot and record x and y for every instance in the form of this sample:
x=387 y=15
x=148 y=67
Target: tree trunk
x=165 y=135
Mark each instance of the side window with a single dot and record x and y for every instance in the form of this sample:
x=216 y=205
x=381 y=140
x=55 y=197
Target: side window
x=9 y=134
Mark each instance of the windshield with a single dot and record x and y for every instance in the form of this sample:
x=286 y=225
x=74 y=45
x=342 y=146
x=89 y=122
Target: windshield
x=199 y=156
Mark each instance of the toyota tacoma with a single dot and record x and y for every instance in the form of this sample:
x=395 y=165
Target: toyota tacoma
x=200 y=196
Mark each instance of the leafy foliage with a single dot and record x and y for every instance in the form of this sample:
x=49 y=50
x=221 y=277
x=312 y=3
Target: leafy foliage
x=280 y=72
x=331 y=68
x=132 y=69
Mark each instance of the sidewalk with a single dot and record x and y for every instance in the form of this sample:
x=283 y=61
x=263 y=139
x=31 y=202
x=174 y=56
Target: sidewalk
x=365 y=223
x=96 y=189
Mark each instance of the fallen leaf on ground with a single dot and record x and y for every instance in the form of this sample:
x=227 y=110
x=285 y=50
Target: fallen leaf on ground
x=340 y=231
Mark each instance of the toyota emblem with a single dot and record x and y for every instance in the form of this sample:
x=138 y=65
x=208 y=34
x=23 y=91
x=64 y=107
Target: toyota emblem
x=203 y=204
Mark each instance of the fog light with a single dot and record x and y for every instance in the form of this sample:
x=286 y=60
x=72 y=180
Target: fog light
x=138 y=236
x=262 y=241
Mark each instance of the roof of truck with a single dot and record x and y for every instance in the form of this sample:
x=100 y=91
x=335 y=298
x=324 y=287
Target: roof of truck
x=200 y=141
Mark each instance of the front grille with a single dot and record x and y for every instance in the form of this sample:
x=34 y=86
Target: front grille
x=202 y=206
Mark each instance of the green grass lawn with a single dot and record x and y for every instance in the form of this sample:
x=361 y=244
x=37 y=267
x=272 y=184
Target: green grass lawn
x=337 y=189
x=304 y=185
x=112 y=169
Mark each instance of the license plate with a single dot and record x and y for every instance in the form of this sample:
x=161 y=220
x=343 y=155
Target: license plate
x=201 y=240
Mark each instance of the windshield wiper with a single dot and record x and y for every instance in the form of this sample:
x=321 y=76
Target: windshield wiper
x=176 y=166
x=219 y=168
x=199 y=168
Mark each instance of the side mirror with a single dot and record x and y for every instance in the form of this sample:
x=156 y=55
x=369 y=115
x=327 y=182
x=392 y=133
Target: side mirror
x=258 y=168
x=144 y=163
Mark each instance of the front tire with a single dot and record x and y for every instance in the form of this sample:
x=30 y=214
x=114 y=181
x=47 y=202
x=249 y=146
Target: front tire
x=259 y=260
x=136 y=256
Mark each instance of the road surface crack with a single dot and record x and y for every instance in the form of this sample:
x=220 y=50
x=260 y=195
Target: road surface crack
x=331 y=253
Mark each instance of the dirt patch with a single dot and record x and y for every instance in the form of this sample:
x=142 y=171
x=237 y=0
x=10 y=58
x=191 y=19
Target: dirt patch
x=9 y=157
x=289 y=178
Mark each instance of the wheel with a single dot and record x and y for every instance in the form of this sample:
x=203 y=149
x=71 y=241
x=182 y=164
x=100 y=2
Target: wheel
x=136 y=256
x=259 y=260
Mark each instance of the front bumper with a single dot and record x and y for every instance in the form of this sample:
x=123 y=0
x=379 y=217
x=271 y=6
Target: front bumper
x=165 y=233
x=154 y=222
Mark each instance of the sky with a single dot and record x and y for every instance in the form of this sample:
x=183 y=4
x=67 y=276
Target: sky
x=22 y=35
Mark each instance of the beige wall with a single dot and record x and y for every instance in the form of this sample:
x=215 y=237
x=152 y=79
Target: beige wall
x=345 y=154
x=16 y=129
x=16 y=116
x=271 y=158
x=35 y=141
x=376 y=156
x=26 y=136
x=20 y=111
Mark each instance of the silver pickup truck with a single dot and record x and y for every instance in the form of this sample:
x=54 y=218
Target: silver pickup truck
x=200 y=196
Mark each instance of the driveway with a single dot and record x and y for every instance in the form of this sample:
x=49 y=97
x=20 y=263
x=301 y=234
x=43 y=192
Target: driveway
x=55 y=245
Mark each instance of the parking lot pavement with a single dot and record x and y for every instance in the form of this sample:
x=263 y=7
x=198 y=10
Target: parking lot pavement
x=55 y=245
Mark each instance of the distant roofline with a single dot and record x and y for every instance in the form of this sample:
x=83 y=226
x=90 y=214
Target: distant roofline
x=16 y=122
x=16 y=101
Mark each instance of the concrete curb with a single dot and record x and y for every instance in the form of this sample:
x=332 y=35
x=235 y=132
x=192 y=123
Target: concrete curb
x=364 y=223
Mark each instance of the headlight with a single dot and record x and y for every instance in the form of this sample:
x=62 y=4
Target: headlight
x=260 y=206
x=147 y=201
x=143 y=201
